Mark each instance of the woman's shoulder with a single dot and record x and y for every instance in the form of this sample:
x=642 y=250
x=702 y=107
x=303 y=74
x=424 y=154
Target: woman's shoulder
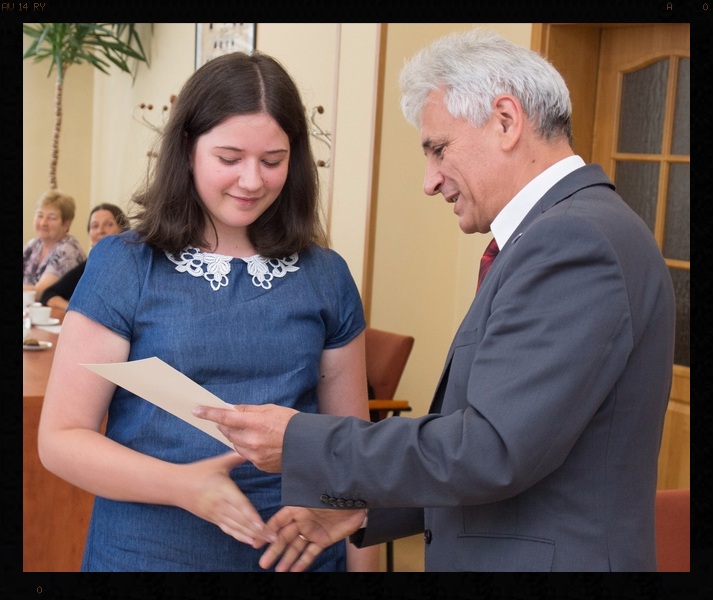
x=69 y=246
x=127 y=243
x=317 y=253
x=125 y=239
x=69 y=240
x=324 y=261
x=32 y=243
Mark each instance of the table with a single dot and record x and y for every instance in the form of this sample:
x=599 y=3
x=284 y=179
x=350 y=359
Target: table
x=55 y=514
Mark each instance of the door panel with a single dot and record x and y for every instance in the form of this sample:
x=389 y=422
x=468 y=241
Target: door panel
x=642 y=138
x=639 y=125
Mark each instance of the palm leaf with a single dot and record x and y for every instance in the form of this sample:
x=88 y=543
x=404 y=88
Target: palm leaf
x=65 y=44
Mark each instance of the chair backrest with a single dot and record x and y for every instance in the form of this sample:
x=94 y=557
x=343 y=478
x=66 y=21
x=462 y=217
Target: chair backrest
x=386 y=356
x=673 y=530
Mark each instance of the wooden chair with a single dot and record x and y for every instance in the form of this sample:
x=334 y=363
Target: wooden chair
x=386 y=355
x=673 y=530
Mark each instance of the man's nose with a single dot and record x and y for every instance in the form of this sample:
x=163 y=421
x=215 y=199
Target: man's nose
x=432 y=180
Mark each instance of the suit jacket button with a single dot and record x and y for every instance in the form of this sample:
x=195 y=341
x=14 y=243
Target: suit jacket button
x=427 y=536
x=359 y=504
x=324 y=499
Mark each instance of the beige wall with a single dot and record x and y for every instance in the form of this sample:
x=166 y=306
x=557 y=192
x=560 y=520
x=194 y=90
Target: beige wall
x=74 y=167
x=120 y=142
x=424 y=268
x=312 y=64
x=351 y=192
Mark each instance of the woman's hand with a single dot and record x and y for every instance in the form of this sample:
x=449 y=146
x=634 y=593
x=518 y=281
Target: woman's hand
x=215 y=497
x=302 y=533
x=57 y=302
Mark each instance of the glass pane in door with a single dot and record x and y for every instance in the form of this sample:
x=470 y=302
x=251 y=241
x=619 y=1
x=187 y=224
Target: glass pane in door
x=638 y=183
x=643 y=105
x=677 y=236
x=681 y=143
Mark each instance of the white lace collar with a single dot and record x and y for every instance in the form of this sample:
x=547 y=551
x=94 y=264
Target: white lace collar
x=215 y=268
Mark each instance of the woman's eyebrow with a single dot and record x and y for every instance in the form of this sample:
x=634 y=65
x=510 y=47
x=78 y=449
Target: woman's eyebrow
x=236 y=149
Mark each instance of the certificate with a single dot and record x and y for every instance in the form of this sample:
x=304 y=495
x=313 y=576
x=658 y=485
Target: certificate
x=169 y=389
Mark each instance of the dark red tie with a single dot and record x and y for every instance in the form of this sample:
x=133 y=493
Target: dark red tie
x=488 y=257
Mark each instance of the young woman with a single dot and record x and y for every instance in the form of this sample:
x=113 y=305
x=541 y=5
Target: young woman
x=226 y=278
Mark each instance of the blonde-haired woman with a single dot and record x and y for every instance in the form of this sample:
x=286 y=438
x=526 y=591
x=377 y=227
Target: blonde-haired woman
x=53 y=251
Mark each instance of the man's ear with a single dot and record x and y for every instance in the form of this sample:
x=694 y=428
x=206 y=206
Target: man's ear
x=510 y=118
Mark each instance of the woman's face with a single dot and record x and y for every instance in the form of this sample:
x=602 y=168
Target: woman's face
x=239 y=168
x=48 y=224
x=101 y=224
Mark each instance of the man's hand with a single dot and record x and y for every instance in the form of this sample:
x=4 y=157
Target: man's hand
x=256 y=432
x=302 y=533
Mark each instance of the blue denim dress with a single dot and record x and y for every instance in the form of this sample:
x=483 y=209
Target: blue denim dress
x=250 y=331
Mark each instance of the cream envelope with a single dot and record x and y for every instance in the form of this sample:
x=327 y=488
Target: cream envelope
x=162 y=385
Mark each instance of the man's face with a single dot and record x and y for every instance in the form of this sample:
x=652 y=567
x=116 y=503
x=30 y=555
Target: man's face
x=464 y=163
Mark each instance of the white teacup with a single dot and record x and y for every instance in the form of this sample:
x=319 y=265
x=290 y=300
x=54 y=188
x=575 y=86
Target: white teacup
x=28 y=297
x=39 y=314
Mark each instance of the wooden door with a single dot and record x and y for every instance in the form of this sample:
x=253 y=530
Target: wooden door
x=637 y=126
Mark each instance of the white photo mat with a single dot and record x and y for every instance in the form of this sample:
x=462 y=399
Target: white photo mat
x=216 y=39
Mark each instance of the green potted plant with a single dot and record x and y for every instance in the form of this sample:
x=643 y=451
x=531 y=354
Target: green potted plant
x=66 y=44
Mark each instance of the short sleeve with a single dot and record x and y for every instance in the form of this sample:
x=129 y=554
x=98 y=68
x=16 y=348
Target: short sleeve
x=345 y=320
x=111 y=285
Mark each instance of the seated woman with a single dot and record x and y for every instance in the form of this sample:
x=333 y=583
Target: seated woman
x=105 y=219
x=53 y=251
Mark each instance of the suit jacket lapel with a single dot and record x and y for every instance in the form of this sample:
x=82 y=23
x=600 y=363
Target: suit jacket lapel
x=586 y=176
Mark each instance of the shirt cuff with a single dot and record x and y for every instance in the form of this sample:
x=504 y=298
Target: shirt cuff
x=365 y=521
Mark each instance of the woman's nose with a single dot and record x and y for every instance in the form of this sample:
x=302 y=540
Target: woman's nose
x=250 y=177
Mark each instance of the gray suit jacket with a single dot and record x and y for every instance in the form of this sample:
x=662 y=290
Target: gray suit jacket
x=540 y=450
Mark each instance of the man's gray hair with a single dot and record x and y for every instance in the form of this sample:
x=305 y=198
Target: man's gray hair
x=476 y=66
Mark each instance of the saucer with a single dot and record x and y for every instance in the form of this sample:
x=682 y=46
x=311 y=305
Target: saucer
x=47 y=322
x=43 y=346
